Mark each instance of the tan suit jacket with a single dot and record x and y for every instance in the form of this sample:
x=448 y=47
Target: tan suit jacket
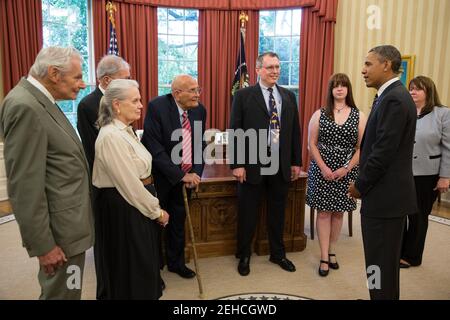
x=47 y=171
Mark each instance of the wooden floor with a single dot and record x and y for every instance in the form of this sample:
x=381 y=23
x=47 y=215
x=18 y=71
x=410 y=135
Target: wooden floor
x=441 y=210
x=5 y=208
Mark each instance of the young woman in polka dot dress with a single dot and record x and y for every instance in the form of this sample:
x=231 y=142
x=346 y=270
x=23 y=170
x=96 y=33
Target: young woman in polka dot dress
x=335 y=133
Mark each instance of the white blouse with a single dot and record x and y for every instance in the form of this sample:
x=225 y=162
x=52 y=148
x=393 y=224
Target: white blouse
x=120 y=162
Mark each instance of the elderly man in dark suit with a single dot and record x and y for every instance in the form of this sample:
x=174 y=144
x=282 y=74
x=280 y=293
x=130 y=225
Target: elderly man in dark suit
x=48 y=175
x=271 y=109
x=165 y=114
x=110 y=67
x=385 y=182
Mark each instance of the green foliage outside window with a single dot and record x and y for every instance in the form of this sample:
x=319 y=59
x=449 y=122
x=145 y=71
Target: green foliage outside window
x=65 y=23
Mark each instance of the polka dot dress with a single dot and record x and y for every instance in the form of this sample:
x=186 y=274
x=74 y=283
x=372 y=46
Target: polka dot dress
x=336 y=144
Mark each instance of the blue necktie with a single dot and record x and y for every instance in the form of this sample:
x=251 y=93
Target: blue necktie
x=375 y=101
x=274 y=123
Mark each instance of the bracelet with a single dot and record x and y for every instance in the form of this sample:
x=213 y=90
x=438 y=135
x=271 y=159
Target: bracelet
x=162 y=215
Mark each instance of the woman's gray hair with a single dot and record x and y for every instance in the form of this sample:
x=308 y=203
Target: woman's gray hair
x=60 y=57
x=117 y=90
x=110 y=65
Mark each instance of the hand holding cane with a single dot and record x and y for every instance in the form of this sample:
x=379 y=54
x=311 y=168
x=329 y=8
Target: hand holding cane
x=191 y=229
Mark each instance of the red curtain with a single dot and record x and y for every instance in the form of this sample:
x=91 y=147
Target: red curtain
x=21 y=34
x=316 y=62
x=225 y=4
x=137 y=37
x=217 y=54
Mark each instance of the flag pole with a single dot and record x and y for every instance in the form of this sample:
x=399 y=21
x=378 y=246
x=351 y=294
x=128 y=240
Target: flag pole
x=111 y=8
x=243 y=19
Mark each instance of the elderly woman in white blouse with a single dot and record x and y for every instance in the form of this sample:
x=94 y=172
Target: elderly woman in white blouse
x=431 y=164
x=130 y=214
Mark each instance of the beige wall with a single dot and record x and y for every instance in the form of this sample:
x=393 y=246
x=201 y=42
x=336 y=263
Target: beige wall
x=418 y=27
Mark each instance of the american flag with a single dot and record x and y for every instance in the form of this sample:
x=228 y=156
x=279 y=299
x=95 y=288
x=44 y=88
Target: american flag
x=113 y=48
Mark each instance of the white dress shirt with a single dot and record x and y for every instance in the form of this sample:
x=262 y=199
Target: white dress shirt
x=121 y=160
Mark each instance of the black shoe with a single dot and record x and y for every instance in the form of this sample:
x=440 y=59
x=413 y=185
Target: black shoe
x=404 y=265
x=333 y=265
x=324 y=273
x=244 y=266
x=163 y=285
x=284 y=263
x=184 y=272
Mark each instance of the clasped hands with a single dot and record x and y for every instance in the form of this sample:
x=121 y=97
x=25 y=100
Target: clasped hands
x=52 y=260
x=336 y=175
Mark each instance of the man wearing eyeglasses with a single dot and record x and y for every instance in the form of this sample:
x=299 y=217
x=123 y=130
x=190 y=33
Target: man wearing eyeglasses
x=179 y=109
x=265 y=107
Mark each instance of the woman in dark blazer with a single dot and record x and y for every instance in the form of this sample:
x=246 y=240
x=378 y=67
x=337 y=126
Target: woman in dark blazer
x=431 y=164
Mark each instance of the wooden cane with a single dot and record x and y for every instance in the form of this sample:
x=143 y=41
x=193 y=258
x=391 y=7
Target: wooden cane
x=191 y=229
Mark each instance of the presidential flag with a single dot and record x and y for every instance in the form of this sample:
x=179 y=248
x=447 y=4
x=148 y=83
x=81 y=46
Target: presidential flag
x=113 y=48
x=241 y=77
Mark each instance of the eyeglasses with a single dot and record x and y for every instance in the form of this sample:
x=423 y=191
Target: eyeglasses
x=192 y=91
x=272 y=68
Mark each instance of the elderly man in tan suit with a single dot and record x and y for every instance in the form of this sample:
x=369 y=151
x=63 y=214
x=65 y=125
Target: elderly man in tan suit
x=47 y=171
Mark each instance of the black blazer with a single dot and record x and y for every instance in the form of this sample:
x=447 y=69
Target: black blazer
x=249 y=111
x=161 y=120
x=87 y=115
x=385 y=179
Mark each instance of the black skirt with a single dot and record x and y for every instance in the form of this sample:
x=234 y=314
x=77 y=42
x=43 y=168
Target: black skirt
x=129 y=248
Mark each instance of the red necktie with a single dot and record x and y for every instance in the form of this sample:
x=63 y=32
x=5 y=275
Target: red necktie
x=186 y=160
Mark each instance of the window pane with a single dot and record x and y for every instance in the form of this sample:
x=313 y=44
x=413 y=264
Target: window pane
x=191 y=25
x=176 y=21
x=284 y=29
x=294 y=73
x=266 y=44
x=267 y=23
x=283 y=23
x=178 y=48
x=296 y=22
x=163 y=90
x=284 y=76
x=167 y=70
x=162 y=47
x=295 y=55
x=282 y=48
x=162 y=20
x=191 y=48
x=66 y=23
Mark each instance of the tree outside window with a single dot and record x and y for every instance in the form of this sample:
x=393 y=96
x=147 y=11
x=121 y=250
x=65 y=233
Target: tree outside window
x=177 y=45
x=279 y=31
x=66 y=23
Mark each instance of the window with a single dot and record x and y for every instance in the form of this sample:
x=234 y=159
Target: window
x=66 y=23
x=279 y=31
x=177 y=45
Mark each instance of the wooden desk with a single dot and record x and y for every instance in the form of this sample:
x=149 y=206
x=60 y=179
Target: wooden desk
x=214 y=216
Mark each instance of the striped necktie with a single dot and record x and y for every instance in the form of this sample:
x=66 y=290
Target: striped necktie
x=186 y=160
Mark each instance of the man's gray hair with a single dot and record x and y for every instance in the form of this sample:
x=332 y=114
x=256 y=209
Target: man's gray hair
x=60 y=57
x=390 y=53
x=111 y=64
x=259 y=60
x=117 y=90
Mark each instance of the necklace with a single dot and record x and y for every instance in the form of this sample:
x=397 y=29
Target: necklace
x=339 y=109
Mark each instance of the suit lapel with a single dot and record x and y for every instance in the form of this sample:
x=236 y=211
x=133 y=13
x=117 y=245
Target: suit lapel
x=259 y=98
x=284 y=106
x=54 y=112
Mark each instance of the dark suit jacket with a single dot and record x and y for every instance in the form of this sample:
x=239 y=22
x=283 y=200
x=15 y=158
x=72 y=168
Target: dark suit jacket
x=161 y=120
x=249 y=111
x=86 y=117
x=385 y=174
